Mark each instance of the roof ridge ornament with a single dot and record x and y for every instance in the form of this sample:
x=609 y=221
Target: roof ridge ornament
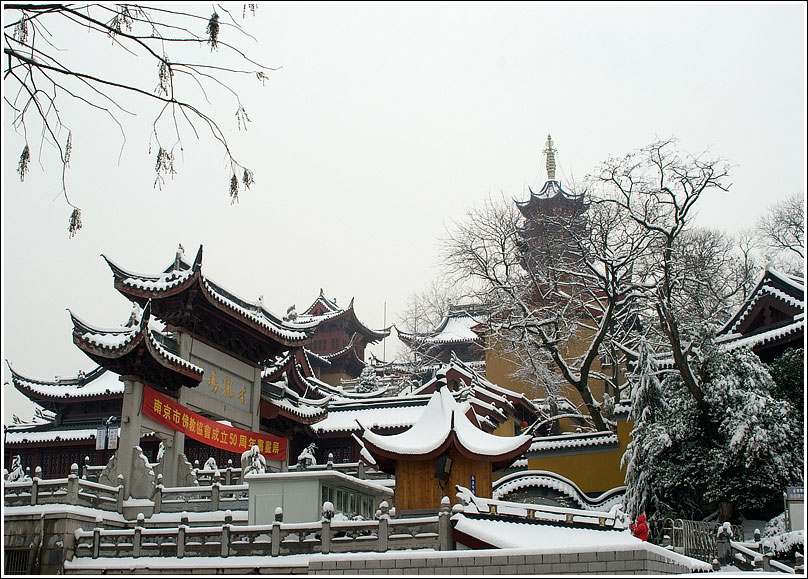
x=198 y=260
x=551 y=164
x=179 y=256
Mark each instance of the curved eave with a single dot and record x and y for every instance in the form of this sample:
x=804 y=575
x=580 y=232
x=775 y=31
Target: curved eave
x=286 y=337
x=348 y=317
x=140 y=355
x=34 y=395
x=768 y=338
x=141 y=288
x=270 y=409
x=387 y=457
x=550 y=195
x=772 y=285
x=431 y=339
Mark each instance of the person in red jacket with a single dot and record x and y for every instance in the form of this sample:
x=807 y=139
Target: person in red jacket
x=640 y=529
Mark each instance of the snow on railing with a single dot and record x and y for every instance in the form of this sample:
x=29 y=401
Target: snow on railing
x=68 y=491
x=200 y=498
x=612 y=519
x=325 y=536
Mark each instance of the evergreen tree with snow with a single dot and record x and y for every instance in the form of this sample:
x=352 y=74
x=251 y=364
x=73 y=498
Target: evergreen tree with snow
x=737 y=450
x=649 y=437
x=367 y=379
x=762 y=451
x=788 y=372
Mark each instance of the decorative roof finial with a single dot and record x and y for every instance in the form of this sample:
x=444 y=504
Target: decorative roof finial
x=550 y=152
x=178 y=257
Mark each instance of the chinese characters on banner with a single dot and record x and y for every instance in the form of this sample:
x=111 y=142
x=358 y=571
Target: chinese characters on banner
x=175 y=415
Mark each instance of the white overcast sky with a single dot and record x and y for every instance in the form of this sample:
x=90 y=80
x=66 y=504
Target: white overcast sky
x=385 y=122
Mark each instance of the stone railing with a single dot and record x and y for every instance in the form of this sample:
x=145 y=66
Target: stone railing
x=357 y=469
x=612 y=519
x=201 y=499
x=754 y=555
x=260 y=540
x=69 y=491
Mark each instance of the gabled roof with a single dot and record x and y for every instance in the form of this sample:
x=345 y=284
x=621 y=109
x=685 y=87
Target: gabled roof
x=323 y=306
x=480 y=388
x=773 y=313
x=444 y=426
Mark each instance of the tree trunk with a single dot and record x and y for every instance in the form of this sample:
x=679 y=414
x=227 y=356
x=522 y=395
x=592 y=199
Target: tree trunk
x=726 y=511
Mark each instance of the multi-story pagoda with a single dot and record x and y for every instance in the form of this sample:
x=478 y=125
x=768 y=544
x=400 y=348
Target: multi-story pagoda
x=549 y=215
x=339 y=339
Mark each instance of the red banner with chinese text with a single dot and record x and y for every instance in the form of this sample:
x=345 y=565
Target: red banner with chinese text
x=173 y=414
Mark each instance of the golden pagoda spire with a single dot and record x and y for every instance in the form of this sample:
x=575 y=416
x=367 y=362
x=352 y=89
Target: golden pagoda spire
x=550 y=152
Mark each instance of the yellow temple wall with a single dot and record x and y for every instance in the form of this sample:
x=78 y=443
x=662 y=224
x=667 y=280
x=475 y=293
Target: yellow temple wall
x=594 y=472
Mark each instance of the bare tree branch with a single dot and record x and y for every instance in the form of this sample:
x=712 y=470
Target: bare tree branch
x=38 y=71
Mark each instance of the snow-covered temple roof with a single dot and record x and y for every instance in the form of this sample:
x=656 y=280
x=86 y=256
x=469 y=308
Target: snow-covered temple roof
x=456 y=327
x=136 y=348
x=325 y=310
x=772 y=315
x=49 y=435
x=444 y=425
x=182 y=289
x=95 y=382
x=377 y=414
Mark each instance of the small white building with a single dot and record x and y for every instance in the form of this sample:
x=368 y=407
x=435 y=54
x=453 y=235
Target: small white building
x=301 y=496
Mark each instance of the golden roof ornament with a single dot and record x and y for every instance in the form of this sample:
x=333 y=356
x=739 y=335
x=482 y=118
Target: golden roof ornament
x=550 y=152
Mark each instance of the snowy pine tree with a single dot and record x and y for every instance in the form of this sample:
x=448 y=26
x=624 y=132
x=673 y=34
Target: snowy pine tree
x=649 y=437
x=367 y=379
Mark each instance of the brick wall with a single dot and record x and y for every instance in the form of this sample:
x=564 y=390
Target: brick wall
x=635 y=561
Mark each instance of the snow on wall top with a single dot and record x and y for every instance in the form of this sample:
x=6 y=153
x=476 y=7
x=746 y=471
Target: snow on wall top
x=544 y=479
x=573 y=441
